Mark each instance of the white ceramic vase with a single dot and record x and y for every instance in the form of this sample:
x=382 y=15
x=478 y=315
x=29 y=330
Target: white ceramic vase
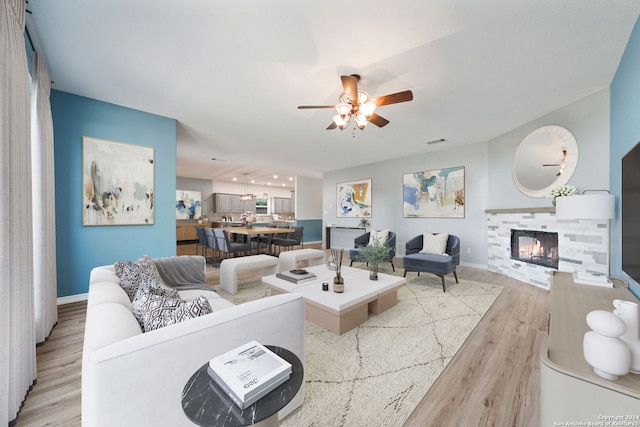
x=609 y=356
x=627 y=311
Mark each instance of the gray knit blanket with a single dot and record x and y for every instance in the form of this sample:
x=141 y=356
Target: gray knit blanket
x=183 y=272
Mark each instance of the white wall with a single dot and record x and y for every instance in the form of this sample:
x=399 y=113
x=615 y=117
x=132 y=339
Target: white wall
x=386 y=198
x=488 y=182
x=308 y=198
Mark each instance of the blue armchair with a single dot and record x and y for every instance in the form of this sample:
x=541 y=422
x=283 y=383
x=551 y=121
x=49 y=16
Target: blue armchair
x=362 y=241
x=440 y=265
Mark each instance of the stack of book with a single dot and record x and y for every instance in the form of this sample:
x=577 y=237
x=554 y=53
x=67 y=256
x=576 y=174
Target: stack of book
x=593 y=279
x=248 y=372
x=296 y=276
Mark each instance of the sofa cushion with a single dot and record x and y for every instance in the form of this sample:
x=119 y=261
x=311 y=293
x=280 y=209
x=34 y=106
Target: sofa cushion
x=434 y=243
x=217 y=303
x=105 y=292
x=107 y=324
x=143 y=271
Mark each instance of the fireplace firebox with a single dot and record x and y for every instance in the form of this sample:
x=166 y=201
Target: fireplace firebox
x=535 y=247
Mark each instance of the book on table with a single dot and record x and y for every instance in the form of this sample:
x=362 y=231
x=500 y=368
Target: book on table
x=593 y=279
x=295 y=276
x=248 y=372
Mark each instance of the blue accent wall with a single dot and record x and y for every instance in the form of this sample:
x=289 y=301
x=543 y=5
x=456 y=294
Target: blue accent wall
x=81 y=248
x=312 y=229
x=625 y=134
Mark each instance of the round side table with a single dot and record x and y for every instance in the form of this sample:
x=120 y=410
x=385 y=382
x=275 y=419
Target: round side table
x=207 y=405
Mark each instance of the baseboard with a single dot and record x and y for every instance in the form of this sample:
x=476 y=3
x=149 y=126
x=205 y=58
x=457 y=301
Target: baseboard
x=480 y=266
x=72 y=298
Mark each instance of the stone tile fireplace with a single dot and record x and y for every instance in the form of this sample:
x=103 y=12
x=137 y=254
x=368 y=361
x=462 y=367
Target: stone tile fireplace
x=527 y=244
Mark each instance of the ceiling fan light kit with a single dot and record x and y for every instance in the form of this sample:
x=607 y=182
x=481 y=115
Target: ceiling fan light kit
x=355 y=104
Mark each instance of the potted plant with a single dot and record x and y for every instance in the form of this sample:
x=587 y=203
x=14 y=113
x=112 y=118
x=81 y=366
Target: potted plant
x=374 y=254
x=364 y=223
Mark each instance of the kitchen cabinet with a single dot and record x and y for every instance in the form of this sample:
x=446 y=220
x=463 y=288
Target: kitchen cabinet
x=231 y=203
x=222 y=202
x=281 y=205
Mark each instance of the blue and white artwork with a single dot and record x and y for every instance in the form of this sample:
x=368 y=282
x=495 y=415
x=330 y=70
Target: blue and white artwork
x=434 y=194
x=188 y=204
x=117 y=183
x=353 y=199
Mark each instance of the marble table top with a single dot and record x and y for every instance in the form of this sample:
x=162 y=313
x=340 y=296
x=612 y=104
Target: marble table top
x=206 y=404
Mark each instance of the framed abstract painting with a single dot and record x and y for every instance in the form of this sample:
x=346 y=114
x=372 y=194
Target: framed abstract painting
x=188 y=204
x=353 y=199
x=117 y=183
x=434 y=194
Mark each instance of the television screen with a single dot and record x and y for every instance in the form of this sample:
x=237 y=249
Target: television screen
x=630 y=213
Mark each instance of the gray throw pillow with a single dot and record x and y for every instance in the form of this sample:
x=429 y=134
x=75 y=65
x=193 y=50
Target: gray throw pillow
x=149 y=298
x=160 y=310
x=143 y=271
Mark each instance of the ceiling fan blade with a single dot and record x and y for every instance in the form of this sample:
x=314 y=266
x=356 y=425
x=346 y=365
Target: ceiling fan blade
x=333 y=125
x=393 y=98
x=306 y=107
x=350 y=85
x=378 y=120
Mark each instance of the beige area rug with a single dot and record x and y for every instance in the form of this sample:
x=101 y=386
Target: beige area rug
x=376 y=374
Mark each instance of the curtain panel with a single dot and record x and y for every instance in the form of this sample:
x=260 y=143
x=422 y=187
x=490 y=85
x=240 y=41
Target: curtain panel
x=44 y=220
x=17 y=328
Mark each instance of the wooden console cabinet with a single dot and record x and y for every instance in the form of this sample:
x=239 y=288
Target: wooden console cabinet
x=569 y=389
x=187 y=231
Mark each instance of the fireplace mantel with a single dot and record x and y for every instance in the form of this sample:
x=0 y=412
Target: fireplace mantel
x=521 y=210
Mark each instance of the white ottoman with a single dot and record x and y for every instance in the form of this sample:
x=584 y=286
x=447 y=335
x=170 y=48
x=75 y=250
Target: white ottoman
x=230 y=267
x=289 y=259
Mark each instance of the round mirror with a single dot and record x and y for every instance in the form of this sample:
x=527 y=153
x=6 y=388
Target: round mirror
x=546 y=158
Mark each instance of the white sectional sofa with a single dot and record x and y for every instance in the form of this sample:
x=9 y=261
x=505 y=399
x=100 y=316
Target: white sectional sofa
x=131 y=378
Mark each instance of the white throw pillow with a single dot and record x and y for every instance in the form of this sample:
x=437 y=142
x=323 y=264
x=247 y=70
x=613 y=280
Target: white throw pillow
x=434 y=243
x=380 y=237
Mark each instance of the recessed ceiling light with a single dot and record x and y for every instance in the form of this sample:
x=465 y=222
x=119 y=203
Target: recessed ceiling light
x=235 y=179
x=275 y=176
x=253 y=181
x=269 y=183
x=283 y=184
x=290 y=178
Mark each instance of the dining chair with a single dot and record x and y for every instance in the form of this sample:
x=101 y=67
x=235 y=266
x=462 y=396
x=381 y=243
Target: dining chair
x=227 y=247
x=294 y=238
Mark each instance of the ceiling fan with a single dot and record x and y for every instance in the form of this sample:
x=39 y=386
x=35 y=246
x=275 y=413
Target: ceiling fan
x=355 y=104
x=561 y=164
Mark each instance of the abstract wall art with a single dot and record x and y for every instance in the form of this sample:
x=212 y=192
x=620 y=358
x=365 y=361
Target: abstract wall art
x=434 y=194
x=188 y=204
x=117 y=183
x=353 y=199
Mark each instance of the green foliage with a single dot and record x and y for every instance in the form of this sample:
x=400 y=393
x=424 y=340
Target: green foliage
x=364 y=222
x=375 y=253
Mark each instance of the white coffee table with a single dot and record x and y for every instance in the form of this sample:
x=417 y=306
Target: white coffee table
x=340 y=312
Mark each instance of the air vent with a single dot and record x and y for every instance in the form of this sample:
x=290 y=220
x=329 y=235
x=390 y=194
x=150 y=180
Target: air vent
x=436 y=141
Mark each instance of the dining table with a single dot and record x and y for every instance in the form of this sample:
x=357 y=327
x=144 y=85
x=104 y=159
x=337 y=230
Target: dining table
x=267 y=232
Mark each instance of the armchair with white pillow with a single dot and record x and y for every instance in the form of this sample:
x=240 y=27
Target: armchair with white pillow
x=374 y=236
x=438 y=254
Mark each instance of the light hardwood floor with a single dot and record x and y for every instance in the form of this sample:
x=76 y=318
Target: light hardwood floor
x=492 y=381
